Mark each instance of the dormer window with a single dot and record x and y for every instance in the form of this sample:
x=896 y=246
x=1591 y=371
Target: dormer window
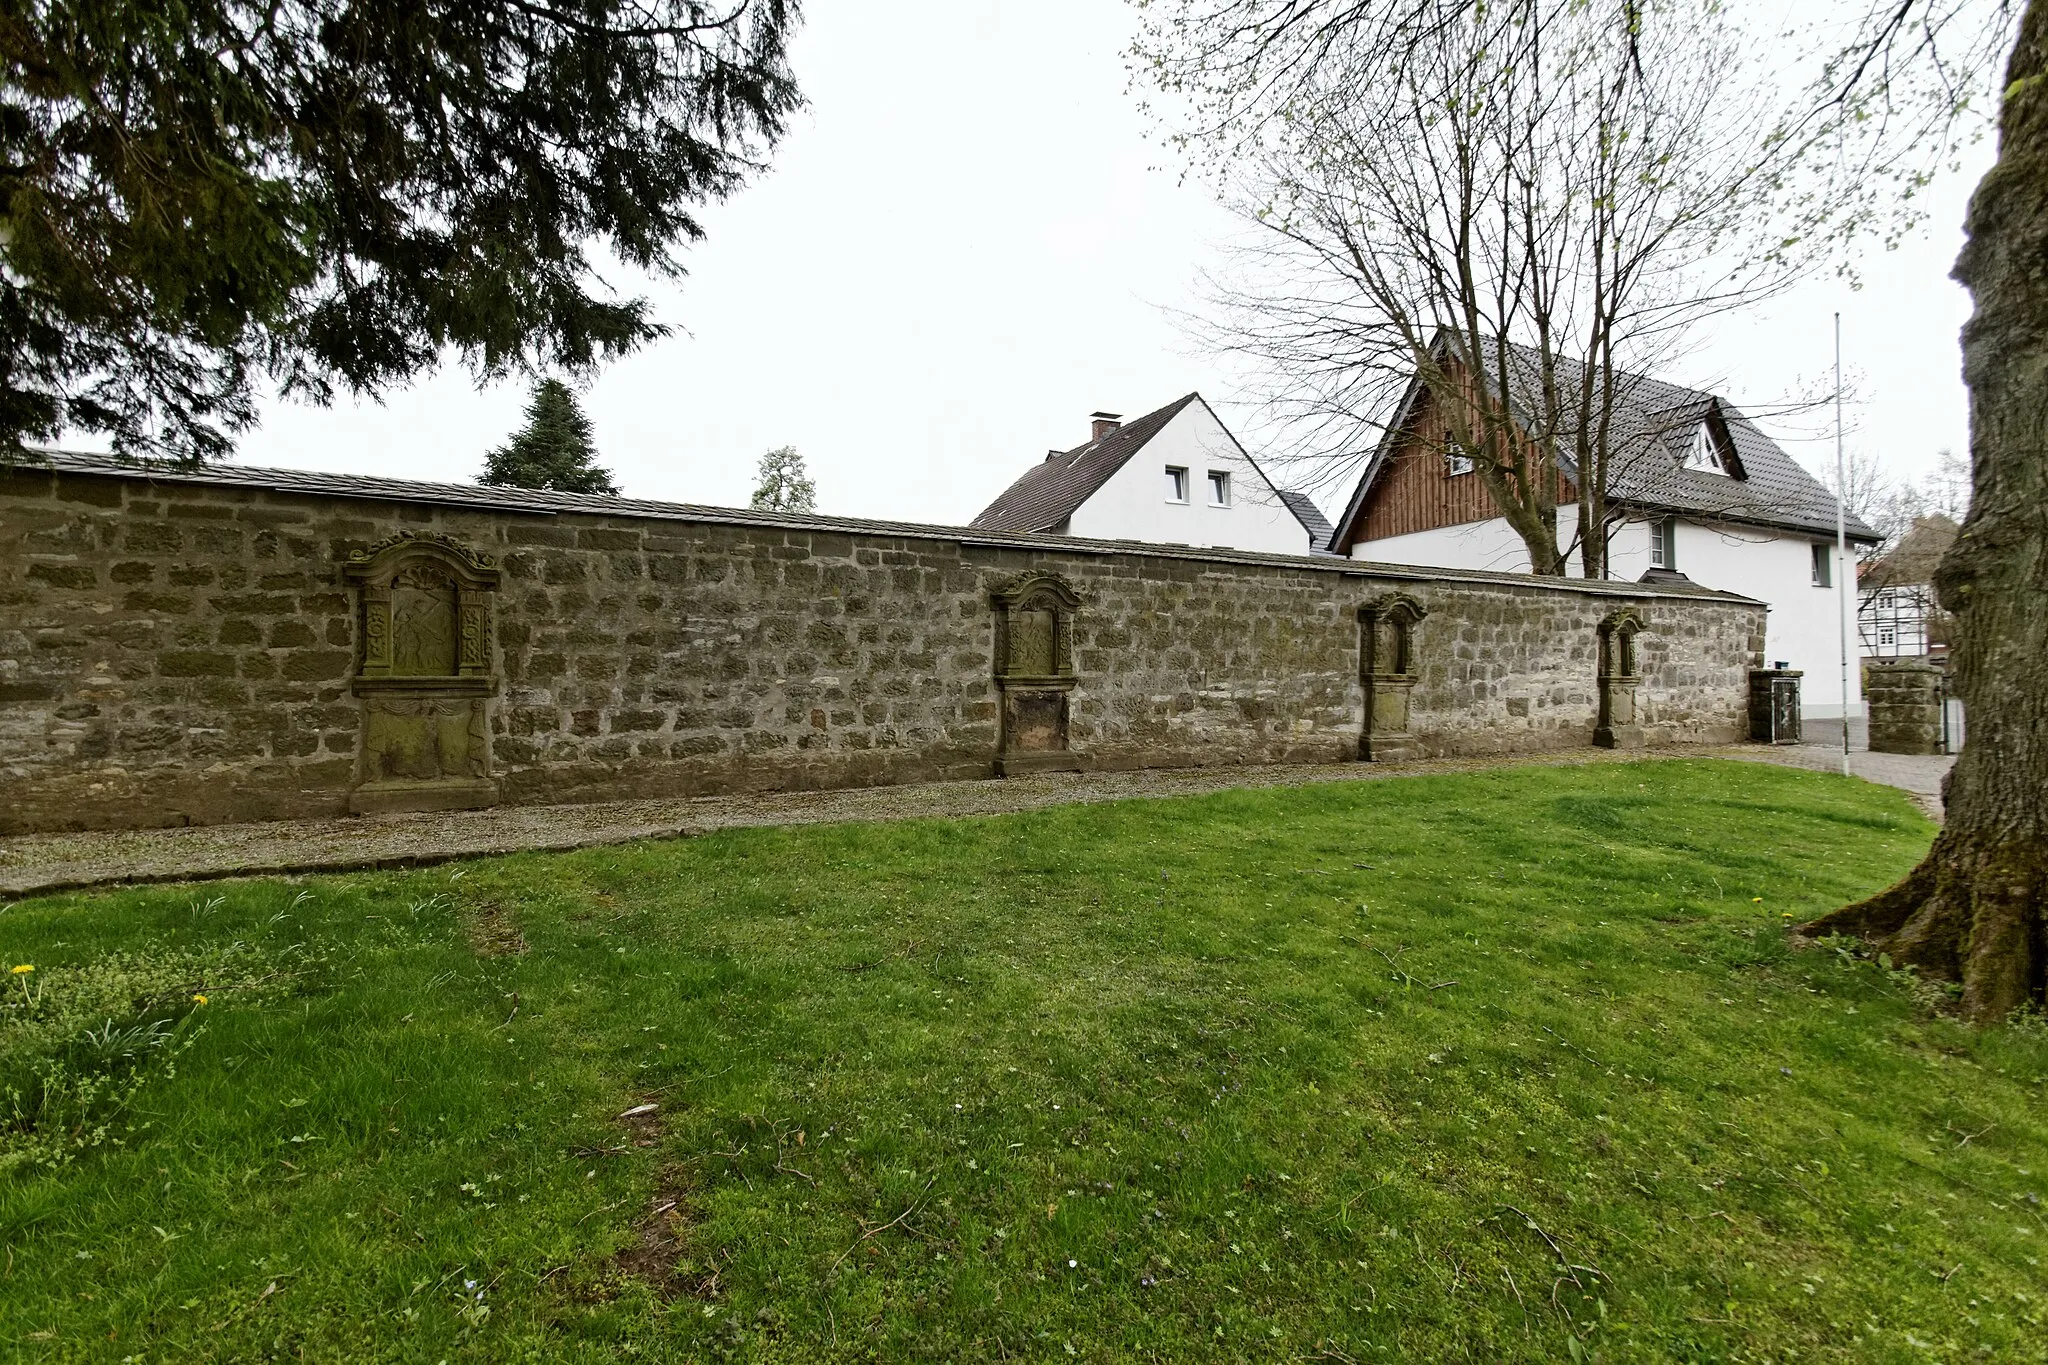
x=1711 y=449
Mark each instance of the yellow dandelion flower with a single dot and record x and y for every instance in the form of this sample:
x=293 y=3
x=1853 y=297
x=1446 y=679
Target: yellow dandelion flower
x=1756 y=900
x=200 y=999
x=23 y=969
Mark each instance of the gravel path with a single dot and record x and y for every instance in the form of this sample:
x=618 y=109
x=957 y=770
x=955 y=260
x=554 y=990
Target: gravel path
x=38 y=863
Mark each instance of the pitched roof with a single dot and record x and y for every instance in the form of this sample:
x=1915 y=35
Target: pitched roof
x=1047 y=493
x=1651 y=428
x=1914 y=559
x=1311 y=518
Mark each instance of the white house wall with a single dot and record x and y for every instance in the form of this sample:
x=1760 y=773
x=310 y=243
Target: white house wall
x=1803 y=629
x=1490 y=545
x=1805 y=626
x=1133 y=504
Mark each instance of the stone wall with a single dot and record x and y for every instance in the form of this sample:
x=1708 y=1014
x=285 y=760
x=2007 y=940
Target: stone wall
x=189 y=648
x=1904 y=697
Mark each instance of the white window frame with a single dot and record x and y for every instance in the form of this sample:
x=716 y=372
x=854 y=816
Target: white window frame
x=1457 y=460
x=1177 y=484
x=1823 y=564
x=1219 y=488
x=1664 y=543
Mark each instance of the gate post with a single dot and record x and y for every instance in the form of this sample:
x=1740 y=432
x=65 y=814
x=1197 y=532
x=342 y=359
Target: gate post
x=1904 y=697
x=1774 y=705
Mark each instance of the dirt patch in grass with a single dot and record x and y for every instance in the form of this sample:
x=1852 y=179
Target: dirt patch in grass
x=660 y=1253
x=493 y=930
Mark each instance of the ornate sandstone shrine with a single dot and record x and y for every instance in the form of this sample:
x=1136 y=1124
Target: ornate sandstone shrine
x=187 y=646
x=426 y=673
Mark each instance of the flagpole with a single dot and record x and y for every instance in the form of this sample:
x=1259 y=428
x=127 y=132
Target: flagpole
x=1842 y=542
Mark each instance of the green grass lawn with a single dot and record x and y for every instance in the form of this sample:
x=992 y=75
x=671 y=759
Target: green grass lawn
x=1516 y=1065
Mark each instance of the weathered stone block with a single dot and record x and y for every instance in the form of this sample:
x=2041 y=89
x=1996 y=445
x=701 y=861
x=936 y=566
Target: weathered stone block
x=76 y=576
x=185 y=663
x=311 y=664
x=164 y=603
x=96 y=492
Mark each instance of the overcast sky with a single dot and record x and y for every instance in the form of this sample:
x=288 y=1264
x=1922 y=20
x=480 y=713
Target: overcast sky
x=968 y=243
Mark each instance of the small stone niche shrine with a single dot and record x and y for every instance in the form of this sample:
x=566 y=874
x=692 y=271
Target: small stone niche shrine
x=1035 y=673
x=1386 y=658
x=426 y=675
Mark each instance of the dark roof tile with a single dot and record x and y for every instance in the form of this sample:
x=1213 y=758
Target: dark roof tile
x=1311 y=518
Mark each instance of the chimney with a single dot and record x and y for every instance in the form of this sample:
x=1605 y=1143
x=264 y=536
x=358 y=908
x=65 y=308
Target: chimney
x=1103 y=423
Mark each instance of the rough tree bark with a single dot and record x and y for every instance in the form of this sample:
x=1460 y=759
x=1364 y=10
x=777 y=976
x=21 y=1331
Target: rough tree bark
x=1974 y=909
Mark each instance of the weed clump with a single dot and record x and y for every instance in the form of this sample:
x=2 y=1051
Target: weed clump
x=79 y=1042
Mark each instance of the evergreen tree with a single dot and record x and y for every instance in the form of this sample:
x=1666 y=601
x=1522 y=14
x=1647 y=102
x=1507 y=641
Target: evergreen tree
x=331 y=195
x=554 y=451
x=785 y=486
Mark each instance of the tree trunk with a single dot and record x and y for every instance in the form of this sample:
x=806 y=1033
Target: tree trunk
x=1974 y=909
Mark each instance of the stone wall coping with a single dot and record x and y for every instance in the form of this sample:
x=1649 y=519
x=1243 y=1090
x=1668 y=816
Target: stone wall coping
x=483 y=498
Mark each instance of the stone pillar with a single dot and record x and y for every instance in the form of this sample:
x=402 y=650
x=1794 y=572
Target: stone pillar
x=1386 y=670
x=1617 y=727
x=1904 y=697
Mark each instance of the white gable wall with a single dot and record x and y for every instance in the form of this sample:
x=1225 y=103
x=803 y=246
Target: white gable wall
x=1803 y=629
x=1133 y=504
x=1491 y=545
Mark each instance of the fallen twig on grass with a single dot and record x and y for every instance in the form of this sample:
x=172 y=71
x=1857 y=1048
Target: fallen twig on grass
x=1716 y=1213
x=790 y=1170
x=1571 y=1270
x=606 y=1209
x=1394 y=963
x=1797 y=1186
x=867 y=1232
x=1570 y=1046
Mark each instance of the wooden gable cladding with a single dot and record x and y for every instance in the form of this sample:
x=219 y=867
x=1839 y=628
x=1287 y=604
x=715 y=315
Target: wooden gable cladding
x=1417 y=491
